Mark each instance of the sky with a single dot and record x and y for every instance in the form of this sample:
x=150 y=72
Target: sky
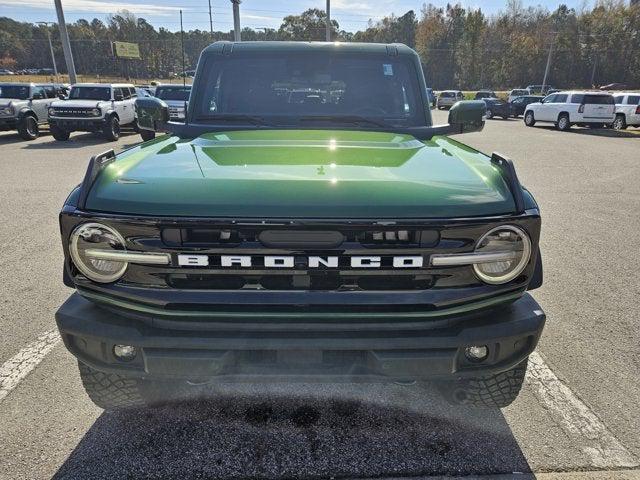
x=351 y=15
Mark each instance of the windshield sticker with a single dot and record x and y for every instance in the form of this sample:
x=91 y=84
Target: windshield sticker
x=387 y=68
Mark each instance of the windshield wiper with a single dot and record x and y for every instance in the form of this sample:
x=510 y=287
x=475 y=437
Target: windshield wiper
x=355 y=119
x=254 y=120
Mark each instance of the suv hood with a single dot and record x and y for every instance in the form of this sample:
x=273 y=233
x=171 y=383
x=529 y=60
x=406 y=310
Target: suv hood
x=7 y=102
x=302 y=174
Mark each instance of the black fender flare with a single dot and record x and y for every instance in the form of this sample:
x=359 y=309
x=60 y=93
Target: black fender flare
x=27 y=112
x=111 y=113
x=536 y=278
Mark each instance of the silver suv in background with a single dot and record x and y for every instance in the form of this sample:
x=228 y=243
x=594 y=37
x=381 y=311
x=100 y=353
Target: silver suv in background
x=564 y=109
x=23 y=107
x=447 y=98
x=627 y=110
x=517 y=92
x=177 y=98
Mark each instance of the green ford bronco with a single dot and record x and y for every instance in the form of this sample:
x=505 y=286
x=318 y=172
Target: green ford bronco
x=307 y=222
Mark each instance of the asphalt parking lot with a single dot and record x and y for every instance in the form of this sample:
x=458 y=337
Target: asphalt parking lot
x=578 y=411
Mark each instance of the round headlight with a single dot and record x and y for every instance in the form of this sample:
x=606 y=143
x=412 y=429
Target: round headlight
x=511 y=241
x=52 y=111
x=96 y=112
x=95 y=236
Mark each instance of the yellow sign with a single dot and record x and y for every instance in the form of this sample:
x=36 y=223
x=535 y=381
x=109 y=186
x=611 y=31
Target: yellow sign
x=126 y=50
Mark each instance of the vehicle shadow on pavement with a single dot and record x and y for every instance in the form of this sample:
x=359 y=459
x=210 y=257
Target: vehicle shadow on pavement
x=77 y=141
x=10 y=138
x=315 y=432
x=600 y=132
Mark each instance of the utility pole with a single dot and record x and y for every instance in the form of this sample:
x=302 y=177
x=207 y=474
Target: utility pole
x=53 y=57
x=328 y=19
x=236 y=20
x=593 y=72
x=210 y=19
x=66 y=45
x=184 y=73
x=546 y=70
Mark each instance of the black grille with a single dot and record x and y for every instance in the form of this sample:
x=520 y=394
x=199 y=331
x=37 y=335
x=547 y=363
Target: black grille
x=73 y=112
x=299 y=238
x=389 y=280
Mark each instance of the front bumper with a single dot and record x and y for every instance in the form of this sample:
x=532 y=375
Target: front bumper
x=8 y=123
x=273 y=350
x=78 y=124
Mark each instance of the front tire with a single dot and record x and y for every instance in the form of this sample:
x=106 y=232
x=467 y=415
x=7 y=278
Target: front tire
x=492 y=391
x=59 y=134
x=563 y=122
x=111 y=391
x=111 y=129
x=28 y=128
x=619 y=123
x=529 y=119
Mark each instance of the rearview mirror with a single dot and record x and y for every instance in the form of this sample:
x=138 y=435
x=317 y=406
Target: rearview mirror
x=467 y=116
x=152 y=113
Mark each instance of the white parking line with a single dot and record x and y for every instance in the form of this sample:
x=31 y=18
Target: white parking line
x=19 y=366
x=576 y=419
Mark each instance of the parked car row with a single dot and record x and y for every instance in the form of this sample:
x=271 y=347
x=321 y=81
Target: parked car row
x=87 y=107
x=593 y=109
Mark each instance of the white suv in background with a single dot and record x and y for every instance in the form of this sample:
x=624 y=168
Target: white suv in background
x=627 y=110
x=94 y=107
x=583 y=108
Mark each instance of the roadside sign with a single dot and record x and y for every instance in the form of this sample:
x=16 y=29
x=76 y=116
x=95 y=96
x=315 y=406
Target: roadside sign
x=126 y=50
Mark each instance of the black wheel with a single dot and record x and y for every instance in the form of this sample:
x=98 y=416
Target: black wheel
x=563 y=122
x=60 y=134
x=115 y=392
x=489 y=113
x=619 y=123
x=494 y=391
x=28 y=128
x=147 y=135
x=111 y=129
x=529 y=119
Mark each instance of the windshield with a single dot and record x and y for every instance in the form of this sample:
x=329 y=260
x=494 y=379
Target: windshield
x=19 y=92
x=90 y=93
x=312 y=87
x=173 y=93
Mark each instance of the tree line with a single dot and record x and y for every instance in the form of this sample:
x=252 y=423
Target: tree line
x=459 y=47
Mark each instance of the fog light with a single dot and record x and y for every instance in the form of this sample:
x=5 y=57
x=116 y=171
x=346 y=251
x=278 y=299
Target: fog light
x=125 y=352
x=476 y=353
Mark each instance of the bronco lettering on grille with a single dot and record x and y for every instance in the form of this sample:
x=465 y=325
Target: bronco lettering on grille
x=291 y=261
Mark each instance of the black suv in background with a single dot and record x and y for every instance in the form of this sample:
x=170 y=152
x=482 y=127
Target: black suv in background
x=519 y=104
x=497 y=108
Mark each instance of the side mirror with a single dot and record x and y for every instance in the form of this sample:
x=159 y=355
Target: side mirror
x=37 y=96
x=62 y=96
x=152 y=113
x=467 y=116
x=118 y=98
